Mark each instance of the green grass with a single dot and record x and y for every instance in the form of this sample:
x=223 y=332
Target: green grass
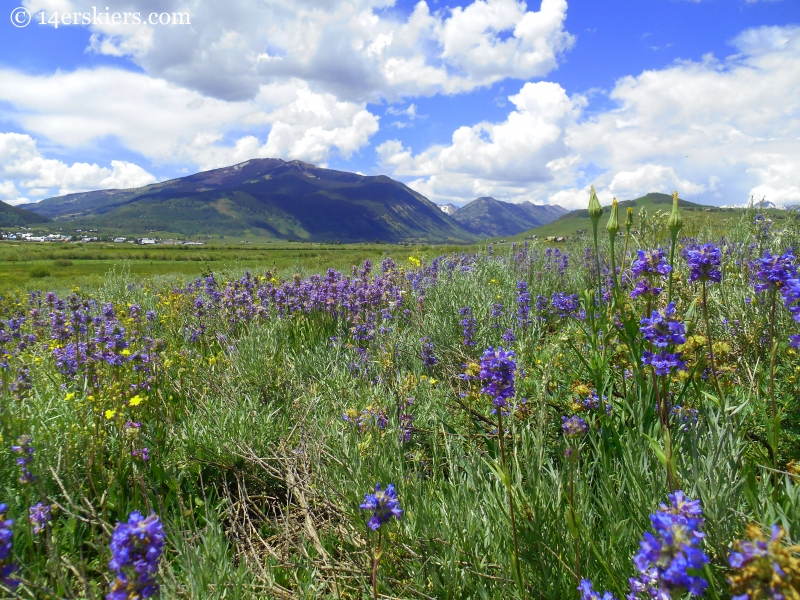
x=696 y=218
x=258 y=478
x=32 y=265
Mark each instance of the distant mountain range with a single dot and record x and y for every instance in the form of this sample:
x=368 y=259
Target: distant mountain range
x=489 y=217
x=14 y=216
x=292 y=201
x=267 y=197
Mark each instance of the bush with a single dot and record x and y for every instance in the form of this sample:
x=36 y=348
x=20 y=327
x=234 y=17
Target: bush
x=39 y=272
x=62 y=263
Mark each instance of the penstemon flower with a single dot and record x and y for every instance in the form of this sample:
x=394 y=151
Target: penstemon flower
x=669 y=558
x=383 y=504
x=497 y=369
x=136 y=548
x=704 y=263
x=6 y=543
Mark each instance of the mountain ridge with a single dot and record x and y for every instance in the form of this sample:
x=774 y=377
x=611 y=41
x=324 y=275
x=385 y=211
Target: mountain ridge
x=489 y=217
x=14 y=216
x=269 y=197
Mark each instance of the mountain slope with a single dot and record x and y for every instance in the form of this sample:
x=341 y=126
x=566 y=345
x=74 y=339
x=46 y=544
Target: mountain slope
x=488 y=217
x=268 y=197
x=578 y=220
x=14 y=216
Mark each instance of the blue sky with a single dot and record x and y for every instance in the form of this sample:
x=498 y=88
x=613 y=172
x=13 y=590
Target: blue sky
x=520 y=101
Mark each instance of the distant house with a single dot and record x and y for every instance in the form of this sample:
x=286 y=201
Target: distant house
x=145 y=241
x=120 y=240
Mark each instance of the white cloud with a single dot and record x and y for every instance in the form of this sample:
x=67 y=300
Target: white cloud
x=22 y=166
x=717 y=131
x=509 y=159
x=168 y=123
x=352 y=48
x=650 y=177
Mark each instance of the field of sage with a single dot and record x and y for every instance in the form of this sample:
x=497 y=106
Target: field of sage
x=617 y=418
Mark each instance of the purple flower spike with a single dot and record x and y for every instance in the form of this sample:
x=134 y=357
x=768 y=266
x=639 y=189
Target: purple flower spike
x=588 y=593
x=6 y=536
x=574 y=426
x=497 y=374
x=136 y=548
x=663 y=330
x=669 y=558
x=383 y=504
x=704 y=263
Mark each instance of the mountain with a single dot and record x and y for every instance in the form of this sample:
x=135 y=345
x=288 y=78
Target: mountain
x=14 y=216
x=449 y=209
x=578 y=220
x=267 y=197
x=488 y=217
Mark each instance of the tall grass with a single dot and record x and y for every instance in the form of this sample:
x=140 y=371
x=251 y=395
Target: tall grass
x=258 y=478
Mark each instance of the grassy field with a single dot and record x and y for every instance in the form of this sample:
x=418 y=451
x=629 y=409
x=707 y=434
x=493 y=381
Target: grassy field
x=250 y=417
x=697 y=218
x=61 y=266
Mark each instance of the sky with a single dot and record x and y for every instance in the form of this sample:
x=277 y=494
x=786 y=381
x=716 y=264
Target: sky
x=520 y=101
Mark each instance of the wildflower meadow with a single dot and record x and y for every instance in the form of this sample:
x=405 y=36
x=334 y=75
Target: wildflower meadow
x=614 y=417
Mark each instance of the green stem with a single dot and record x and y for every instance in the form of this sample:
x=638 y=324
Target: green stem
x=572 y=460
x=597 y=264
x=671 y=267
x=773 y=346
x=613 y=262
x=510 y=495
x=711 y=347
x=375 y=562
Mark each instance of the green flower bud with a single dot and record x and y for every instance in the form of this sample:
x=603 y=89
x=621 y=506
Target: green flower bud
x=595 y=210
x=675 y=219
x=629 y=219
x=613 y=221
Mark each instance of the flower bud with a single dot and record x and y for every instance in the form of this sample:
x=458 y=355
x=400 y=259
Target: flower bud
x=675 y=219
x=595 y=210
x=613 y=221
x=629 y=220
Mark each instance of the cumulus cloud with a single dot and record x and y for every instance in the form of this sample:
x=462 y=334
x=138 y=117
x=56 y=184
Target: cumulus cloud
x=719 y=131
x=507 y=159
x=355 y=49
x=169 y=123
x=22 y=166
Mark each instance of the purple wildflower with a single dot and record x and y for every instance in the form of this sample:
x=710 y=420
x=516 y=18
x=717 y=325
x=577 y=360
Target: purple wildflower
x=588 y=593
x=772 y=272
x=565 y=304
x=6 y=543
x=650 y=262
x=468 y=325
x=764 y=568
x=25 y=451
x=663 y=330
x=668 y=561
x=574 y=426
x=497 y=374
x=39 y=516
x=428 y=358
x=663 y=362
x=704 y=263
x=383 y=504
x=523 y=304
x=136 y=548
